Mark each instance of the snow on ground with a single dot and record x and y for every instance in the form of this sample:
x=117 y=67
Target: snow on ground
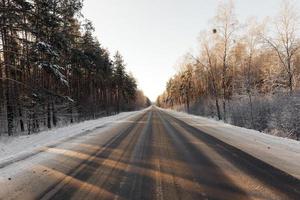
x=12 y=148
x=281 y=153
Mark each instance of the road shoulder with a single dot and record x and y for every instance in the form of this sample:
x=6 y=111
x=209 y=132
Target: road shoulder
x=281 y=153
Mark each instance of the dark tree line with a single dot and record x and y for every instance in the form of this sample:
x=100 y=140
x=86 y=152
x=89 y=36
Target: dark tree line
x=53 y=70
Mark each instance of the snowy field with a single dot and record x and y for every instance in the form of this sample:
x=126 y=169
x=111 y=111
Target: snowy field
x=281 y=153
x=15 y=148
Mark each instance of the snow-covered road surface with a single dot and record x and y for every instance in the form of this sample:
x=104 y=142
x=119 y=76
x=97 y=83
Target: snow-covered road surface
x=282 y=153
x=152 y=154
x=17 y=148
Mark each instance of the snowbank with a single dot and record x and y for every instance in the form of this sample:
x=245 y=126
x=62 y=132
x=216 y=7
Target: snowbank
x=12 y=148
x=281 y=153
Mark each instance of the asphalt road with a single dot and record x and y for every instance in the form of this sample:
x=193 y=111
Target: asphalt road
x=155 y=156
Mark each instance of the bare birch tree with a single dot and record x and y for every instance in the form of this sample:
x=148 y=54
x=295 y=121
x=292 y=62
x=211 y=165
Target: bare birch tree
x=226 y=25
x=252 y=43
x=286 y=41
x=209 y=62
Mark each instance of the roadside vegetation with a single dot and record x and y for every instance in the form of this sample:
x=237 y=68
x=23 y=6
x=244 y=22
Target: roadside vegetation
x=53 y=71
x=245 y=73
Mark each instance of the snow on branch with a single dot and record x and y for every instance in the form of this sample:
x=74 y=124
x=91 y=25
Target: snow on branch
x=46 y=48
x=55 y=70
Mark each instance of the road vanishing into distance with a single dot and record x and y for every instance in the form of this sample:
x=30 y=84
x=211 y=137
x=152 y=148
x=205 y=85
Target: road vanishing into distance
x=151 y=156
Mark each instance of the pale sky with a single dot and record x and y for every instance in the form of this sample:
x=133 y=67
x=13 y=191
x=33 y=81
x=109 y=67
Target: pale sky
x=153 y=34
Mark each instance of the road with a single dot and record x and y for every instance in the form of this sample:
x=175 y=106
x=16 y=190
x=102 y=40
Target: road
x=152 y=156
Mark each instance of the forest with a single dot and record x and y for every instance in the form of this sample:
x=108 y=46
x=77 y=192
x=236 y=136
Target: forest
x=53 y=71
x=244 y=73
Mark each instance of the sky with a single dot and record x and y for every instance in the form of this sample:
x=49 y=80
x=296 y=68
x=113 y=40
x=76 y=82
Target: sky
x=152 y=35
